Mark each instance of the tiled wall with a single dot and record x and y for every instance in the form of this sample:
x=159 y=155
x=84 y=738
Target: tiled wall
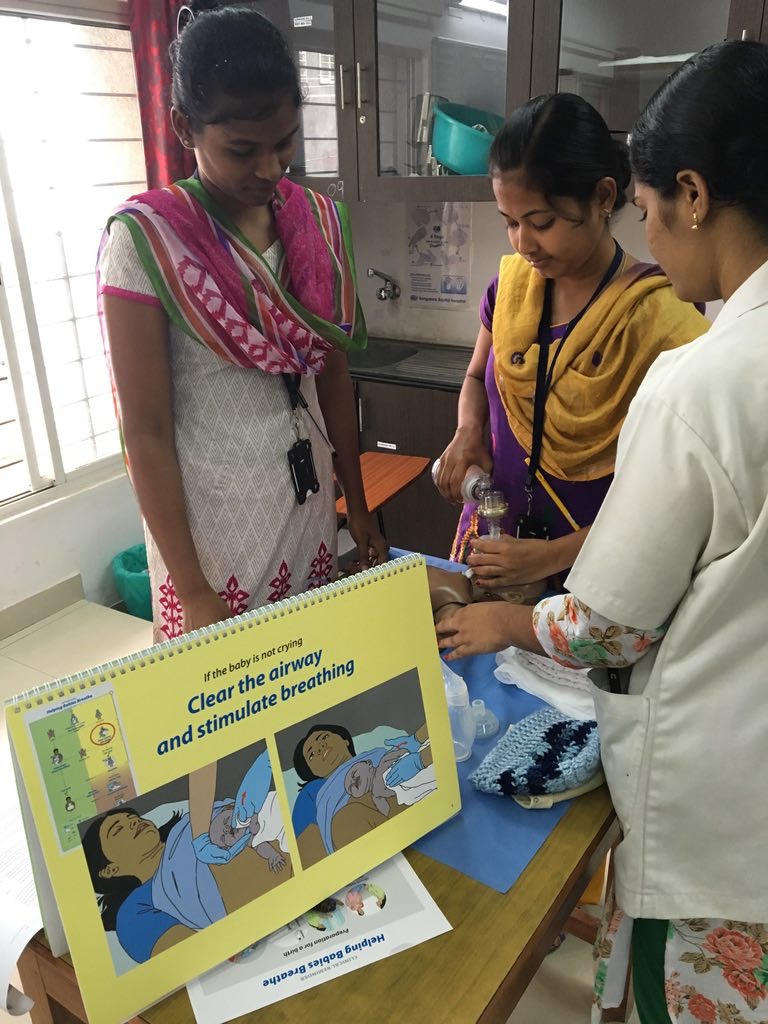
x=380 y=237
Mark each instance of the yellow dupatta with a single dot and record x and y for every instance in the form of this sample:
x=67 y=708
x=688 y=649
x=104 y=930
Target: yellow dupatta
x=600 y=368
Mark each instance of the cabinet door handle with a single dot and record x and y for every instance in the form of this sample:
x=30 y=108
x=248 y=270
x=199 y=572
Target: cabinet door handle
x=342 y=91
x=359 y=77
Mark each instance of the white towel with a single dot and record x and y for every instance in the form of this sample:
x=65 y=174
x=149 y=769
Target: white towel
x=415 y=789
x=271 y=823
x=567 y=689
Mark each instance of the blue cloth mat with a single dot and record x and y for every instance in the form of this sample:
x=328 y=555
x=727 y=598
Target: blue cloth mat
x=491 y=839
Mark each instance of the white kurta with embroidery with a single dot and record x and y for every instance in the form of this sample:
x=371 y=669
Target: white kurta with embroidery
x=233 y=429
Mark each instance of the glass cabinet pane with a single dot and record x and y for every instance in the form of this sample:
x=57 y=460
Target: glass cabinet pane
x=616 y=54
x=309 y=25
x=442 y=69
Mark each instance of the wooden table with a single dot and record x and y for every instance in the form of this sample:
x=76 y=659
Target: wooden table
x=385 y=474
x=474 y=974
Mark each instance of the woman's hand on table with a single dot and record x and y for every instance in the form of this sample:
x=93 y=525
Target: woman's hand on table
x=465 y=450
x=372 y=547
x=487 y=627
x=508 y=561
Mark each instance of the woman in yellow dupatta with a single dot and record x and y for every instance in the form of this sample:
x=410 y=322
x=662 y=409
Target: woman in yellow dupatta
x=600 y=316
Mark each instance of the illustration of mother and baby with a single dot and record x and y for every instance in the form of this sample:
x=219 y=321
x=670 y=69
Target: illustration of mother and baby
x=156 y=885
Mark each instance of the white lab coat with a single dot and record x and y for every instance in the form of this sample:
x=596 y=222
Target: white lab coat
x=683 y=537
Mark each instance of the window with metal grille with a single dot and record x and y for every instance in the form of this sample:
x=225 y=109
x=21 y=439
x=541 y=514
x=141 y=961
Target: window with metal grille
x=70 y=150
x=321 y=143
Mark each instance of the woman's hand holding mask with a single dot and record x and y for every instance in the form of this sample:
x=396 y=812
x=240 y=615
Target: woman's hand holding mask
x=465 y=450
x=509 y=561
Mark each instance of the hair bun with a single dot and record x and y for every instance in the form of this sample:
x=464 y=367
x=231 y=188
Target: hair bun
x=190 y=11
x=183 y=18
x=709 y=117
x=227 y=54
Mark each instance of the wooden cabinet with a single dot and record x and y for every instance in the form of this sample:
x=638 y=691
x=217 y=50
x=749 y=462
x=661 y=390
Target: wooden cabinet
x=321 y=33
x=416 y=57
x=412 y=421
x=374 y=73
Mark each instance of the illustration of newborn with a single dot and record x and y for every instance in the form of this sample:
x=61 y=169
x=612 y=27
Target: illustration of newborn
x=222 y=832
x=363 y=778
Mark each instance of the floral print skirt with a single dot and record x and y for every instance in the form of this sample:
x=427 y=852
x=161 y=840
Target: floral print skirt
x=715 y=971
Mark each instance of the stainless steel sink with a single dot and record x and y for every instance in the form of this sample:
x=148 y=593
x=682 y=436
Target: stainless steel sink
x=381 y=353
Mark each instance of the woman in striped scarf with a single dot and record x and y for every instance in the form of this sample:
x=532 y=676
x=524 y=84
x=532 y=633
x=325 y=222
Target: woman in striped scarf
x=228 y=301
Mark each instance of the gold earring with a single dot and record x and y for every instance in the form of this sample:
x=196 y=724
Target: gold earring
x=695 y=225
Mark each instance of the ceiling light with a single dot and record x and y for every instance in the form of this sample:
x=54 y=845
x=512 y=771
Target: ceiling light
x=673 y=58
x=487 y=6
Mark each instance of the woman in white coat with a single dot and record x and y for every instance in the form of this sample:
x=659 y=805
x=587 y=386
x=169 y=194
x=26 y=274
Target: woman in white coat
x=672 y=582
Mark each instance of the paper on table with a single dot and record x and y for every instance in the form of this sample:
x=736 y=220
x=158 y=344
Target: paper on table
x=20 y=918
x=17 y=1002
x=17 y=927
x=387 y=690
x=387 y=911
x=569 y=690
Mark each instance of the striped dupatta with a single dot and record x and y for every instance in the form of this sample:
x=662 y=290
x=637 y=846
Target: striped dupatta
x=219 y=290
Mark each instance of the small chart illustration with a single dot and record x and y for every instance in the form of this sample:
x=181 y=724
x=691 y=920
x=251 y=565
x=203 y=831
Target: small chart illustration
x=83 y=761
x=438 y=240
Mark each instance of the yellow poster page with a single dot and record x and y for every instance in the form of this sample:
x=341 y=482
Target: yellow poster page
x=193 y=798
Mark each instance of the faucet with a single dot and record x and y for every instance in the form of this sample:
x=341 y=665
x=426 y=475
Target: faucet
x=389 y=290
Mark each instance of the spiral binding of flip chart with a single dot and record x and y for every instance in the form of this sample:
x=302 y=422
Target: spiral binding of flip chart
x=173 y=648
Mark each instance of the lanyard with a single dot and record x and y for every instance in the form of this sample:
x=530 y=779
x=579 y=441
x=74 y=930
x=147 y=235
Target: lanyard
x=544 y=375
x=292 y=383
x=293 y=387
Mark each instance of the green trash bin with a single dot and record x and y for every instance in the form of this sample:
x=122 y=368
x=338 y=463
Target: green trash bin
x=131 y=574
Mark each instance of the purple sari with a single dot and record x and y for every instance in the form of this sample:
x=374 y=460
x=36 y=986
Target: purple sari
x=581 y=498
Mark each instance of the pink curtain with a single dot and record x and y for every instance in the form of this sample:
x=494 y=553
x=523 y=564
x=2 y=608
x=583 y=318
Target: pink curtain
x=153 y=27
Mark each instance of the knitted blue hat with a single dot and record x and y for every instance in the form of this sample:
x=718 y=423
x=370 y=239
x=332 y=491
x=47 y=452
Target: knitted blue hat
x=546 y=752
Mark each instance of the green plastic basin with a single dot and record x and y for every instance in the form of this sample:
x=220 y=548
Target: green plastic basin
x=457 y=144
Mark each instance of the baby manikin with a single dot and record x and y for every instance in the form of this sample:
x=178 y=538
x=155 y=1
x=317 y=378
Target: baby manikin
x=363 y=778
x=265 y=827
